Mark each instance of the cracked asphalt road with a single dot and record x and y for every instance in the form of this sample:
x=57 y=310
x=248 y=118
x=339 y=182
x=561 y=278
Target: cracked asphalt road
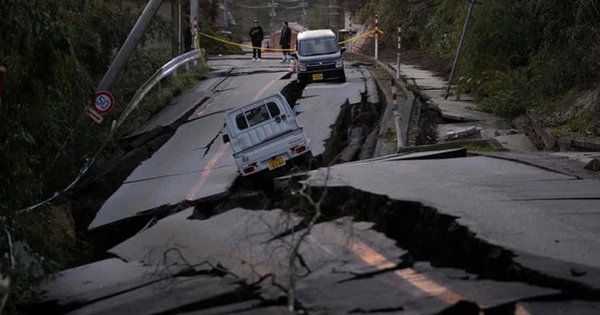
x=236 y=262
x=195 y=163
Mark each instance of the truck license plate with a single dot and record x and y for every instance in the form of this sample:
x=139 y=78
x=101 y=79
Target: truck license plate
x=277 y=162
x=317 y=76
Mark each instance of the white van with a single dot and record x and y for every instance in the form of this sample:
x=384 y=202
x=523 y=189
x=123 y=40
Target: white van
x=265 y=135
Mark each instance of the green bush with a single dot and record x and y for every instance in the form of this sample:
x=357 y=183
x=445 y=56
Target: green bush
x=56 y=52
x=503 y=93
x=517 y=54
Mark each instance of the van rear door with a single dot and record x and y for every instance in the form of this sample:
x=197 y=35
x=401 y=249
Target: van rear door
x=260 y=122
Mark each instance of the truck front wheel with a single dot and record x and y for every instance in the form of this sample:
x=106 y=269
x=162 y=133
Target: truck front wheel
x=342 y=76
x=302 y=78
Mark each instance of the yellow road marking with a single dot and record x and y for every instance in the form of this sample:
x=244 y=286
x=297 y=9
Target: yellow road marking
x=264 y=89
x=207 y=171
x=418 y=280
x=521 y=310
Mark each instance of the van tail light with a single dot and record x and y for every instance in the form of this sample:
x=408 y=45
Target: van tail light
x=298 y=149
x=250 y=169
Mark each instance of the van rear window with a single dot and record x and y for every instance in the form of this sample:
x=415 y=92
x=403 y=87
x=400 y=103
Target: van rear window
x=257 y=115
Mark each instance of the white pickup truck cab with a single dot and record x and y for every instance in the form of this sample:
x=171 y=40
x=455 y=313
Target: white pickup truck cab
x=265 y=135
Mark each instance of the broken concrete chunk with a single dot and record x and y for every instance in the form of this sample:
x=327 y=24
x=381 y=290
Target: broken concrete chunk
x=518 y=142
x=462 y=132
x=593 y=165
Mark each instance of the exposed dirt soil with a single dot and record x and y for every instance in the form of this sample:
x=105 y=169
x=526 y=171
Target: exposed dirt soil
x=424 y=133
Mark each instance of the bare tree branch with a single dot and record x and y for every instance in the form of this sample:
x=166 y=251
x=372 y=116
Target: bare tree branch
x=296 y=248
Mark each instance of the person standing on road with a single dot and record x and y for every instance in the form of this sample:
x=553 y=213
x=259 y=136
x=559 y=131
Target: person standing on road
x=285 y=41
x=257 y=35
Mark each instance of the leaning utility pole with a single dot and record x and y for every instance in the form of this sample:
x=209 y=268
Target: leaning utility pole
x=460 y=45
x=225 y=17
x=135 y=36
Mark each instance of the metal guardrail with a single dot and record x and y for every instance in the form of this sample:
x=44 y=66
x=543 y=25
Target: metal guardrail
x=162 y=73
x=166 y=70
x=407 y=109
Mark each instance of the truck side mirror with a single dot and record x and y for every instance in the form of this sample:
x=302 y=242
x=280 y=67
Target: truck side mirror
x=294 y=54
x=343 y=49
x=226 y=138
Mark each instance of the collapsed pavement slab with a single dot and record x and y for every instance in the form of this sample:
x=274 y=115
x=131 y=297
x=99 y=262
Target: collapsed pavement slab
x=234 y=239
x=321 y=106
x=193 y=164
x=517 y=142
x=98 y=280
x=541 y=215
x=568 y=163
x=170 y=296
x=420 y=289
x=434 y=88
x=247 y=243
x=562 y=307
x=462 y=111
x=137 y=198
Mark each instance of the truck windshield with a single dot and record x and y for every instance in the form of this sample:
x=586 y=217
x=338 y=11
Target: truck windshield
x=318 y=46
x=257 y=115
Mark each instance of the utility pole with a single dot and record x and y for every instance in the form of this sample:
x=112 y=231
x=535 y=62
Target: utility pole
x=179 y=27
x=175 y=30
x=128 y=47
x=194 y=11
x=460 y=45
x=327 y=17
x=273 y=14
x=350 y=44
x=332 y=15
x=225 y=16
x=304 y=5
x=2 y=71
x=399 y=50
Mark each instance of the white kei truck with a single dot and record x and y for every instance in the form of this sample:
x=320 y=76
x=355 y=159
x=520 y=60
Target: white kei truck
x=265 y=135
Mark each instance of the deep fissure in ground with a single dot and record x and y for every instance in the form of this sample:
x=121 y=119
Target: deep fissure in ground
x=423 y=231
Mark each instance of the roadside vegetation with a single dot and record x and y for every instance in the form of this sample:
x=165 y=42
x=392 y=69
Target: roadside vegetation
x=536 y=57
x=55 y=53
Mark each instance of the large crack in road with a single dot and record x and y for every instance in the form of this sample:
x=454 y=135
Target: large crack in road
x=423 y=231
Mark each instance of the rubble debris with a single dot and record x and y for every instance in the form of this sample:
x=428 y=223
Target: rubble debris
x=593 y=165
x=462 y=133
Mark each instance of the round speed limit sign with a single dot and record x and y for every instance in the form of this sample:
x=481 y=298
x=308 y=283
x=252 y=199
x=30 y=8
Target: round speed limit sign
x=104 y=102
